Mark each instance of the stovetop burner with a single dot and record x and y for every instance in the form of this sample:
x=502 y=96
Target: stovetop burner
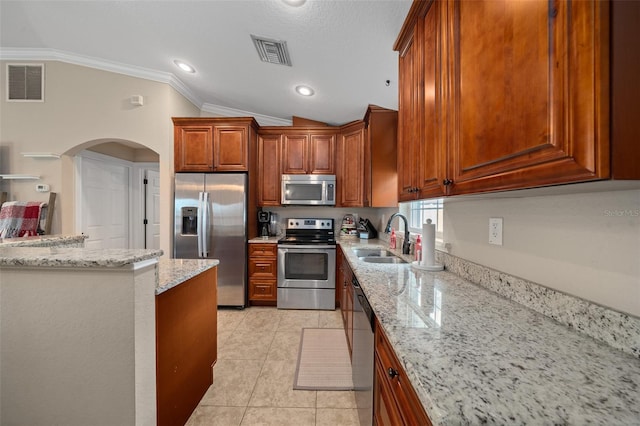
x=309 y=231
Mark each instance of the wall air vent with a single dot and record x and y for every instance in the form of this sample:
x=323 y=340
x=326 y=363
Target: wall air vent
x=25 y=82
x=273 y=51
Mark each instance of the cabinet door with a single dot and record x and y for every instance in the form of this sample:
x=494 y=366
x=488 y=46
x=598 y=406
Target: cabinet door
x=430 y=149
x=269 y=172
x=385 y=410
x=322 y=148
x=231 y=149
x=295 y=153
x=193 y=148
x=406 y=138
x=528 y=101
x=350 y=176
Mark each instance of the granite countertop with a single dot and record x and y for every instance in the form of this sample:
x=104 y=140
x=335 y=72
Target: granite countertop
x=42 y=240
x=172 y=272
x=268 y=240
x=73 y=257
x=475 y=357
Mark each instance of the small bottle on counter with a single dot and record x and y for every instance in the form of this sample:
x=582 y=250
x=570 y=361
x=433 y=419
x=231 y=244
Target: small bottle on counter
x=418 y=249
x=392 y=239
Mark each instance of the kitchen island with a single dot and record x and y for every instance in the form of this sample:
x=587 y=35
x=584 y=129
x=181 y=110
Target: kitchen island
x=78 y=333
x=476 y=357
x=60 y=240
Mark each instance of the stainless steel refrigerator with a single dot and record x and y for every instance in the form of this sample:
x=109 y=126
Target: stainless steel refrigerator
x=210 y=222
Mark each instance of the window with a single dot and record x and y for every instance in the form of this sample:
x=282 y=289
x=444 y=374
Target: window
x=417 y=213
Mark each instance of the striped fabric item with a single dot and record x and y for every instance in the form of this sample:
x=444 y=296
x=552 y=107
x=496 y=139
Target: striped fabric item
x=19 y=218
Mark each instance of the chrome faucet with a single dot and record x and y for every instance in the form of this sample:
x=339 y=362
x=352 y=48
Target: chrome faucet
x=406 y=244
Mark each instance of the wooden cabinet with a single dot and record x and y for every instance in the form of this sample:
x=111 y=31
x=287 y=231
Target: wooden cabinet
x=308 y=151
x=269 y=170
x=395 y=401
x=186 y=346
x=204 y=144
x=366 y=159
x=263 y=273
x=350 y=178
x=498 y=95
x=346 y=300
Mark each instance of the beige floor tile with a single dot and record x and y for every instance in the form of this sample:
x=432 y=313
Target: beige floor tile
x=275 y=387
x=216 y=416
x=271 y=416
x=229 y=319
x=337 y=416
x=336 y=399
x=248 y=345
x=265 y=319
x=285 y=346
x=293 y=320
x=330 y=319
x=223 y=335
x=233 y=383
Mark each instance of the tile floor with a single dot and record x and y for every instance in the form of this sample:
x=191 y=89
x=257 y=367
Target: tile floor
x=253 y=378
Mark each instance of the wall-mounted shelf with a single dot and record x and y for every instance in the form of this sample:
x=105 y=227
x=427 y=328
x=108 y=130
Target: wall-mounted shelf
x=19 y=177
x=40 y=155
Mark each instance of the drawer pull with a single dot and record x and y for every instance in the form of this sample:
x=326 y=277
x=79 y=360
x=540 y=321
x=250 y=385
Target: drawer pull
x=392 y=373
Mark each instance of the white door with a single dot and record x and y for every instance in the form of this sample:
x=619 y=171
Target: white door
x=104 y=203
x=152 y=208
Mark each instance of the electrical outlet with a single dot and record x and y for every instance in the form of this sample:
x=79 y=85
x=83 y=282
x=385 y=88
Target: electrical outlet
x=495 y=231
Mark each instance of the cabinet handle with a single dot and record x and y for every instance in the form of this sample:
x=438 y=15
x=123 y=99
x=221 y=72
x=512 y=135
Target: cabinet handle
x=447 y=182
x=392 y=373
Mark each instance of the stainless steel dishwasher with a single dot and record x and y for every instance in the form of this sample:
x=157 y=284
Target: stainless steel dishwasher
x=363 y=354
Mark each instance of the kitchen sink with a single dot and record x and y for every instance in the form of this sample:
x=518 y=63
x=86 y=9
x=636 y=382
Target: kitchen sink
x=366 y=252
x=382 y=259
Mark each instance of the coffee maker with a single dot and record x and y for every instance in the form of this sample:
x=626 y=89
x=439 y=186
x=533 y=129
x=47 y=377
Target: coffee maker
x=264 y=223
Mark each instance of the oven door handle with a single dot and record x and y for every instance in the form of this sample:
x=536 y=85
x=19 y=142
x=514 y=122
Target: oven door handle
x=306 y=248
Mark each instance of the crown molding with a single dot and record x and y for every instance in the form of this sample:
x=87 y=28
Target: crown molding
x=34 y=54
x=263 y=120
x=31 y=54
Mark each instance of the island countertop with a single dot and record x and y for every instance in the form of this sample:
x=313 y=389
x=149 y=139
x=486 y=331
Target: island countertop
x=74 y=257
x=173 y=272
x=475 y=357
x=44 y=241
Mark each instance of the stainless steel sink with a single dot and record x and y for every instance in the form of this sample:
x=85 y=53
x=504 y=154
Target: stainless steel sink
x=366 y=252
x=382 y=259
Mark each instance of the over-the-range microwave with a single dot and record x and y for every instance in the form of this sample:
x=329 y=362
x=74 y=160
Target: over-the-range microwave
x=309 y=190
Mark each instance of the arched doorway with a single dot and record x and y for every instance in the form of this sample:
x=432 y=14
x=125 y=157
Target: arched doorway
x=117 y=189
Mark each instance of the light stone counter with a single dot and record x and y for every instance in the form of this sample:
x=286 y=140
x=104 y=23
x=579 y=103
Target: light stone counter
x=475 y=357
x=74 y=257
x=268 y=240
x=45 y=241
x=172 y=272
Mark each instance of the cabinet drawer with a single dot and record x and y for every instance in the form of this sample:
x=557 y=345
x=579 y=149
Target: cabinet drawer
x=263 y=250
x=260 y=289
x=262 y=268
x=396 y=378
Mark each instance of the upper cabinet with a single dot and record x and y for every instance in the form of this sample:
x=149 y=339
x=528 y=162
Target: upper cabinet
x=269 y=171
x=308 y=151
x=204 y=144
x=350 y=178
x=501 y=94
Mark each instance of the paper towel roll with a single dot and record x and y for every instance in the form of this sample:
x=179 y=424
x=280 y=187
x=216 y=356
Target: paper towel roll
x=428 y=244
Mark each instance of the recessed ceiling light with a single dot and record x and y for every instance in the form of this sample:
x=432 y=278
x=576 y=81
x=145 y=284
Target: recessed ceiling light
x=304 y=90
x=294 y=3
x=184 y=66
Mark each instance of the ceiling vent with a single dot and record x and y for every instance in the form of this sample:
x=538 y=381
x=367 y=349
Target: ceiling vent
x=273 y=51
x=25 y=82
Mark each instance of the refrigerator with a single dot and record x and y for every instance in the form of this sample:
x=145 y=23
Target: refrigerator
x=211 y=223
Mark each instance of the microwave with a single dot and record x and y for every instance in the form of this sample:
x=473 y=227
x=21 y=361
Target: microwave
x=309 y=190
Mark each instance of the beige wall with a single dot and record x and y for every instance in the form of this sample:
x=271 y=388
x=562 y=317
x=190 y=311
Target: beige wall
x=84 y=106
x=587 y=245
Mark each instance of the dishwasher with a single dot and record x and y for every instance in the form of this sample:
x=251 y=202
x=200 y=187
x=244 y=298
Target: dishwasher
x=363 y=354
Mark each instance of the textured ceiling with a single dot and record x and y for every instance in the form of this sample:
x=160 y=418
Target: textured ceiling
x=343 y=49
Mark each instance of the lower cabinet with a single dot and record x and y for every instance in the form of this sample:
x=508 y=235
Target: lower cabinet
x=186 y=346
x=343 y=286
x=263 y=275
x=394 y=400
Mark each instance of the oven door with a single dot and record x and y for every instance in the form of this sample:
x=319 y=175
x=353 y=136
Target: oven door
x=306 y=277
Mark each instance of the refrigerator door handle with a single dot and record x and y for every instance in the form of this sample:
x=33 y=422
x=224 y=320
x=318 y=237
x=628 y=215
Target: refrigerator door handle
x=199 y=229
x=205 y=225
